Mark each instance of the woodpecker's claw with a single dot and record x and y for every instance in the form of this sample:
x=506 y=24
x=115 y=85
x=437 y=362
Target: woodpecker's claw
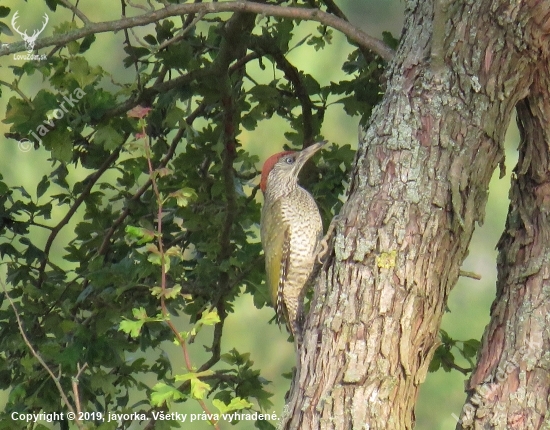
x=323 y=251
x=324 y=242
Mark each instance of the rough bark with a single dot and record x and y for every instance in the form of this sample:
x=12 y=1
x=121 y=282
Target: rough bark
x=510 y=387
x=418 y=187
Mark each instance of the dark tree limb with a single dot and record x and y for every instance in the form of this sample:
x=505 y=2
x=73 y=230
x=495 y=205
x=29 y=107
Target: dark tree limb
x=355 y=34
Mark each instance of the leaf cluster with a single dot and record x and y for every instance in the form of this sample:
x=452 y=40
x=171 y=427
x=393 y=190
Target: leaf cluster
x=445 y=359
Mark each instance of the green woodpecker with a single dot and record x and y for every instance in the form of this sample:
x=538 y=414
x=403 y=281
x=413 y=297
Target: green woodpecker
x=291 y=232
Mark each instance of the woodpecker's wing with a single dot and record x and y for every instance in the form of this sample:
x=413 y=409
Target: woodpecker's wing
x=278 y=263
x=276 y=244
x=273 y=234
x=283 y=275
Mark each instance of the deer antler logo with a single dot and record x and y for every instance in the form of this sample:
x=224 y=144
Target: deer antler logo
x=29 y=40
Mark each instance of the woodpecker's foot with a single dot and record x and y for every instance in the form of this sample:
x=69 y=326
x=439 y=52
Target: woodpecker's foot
x=298 y=340
x=323 y=251
x=324 y=242
x=297 y=331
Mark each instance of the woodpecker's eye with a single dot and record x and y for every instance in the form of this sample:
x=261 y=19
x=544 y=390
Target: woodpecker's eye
x=290 y=160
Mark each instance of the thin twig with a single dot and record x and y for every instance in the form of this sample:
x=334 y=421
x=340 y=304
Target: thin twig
x=137 y=6
x=165 y=313
x=36 y=355
x=75 y=387
x=183 y=33
x=469 y=275
x=76 y=11
x=16 y=89
x=37 y=224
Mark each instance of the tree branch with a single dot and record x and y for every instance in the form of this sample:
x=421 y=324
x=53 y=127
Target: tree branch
x=333 y=9
x=355 y=34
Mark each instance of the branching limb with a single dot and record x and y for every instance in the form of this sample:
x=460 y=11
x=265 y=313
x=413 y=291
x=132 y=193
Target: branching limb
x=354 y=33
x=335 y=10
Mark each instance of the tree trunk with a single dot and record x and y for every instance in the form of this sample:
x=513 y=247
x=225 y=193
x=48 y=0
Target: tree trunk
x=510 y=388
x=419 y=185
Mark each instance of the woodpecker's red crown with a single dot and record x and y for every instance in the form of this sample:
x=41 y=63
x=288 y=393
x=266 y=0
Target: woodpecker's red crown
x=268 y=166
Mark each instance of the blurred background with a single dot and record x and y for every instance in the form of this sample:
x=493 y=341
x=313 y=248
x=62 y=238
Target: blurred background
x=248 y=329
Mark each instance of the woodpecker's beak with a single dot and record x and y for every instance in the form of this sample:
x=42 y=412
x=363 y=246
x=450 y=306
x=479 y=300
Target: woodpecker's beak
x=306 y=154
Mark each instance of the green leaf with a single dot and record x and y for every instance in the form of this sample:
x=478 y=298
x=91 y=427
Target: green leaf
x=59 y=142
x=108 y=137
x=209 y=318
x=73 y=47
x=42 y=186
x=169 y=293
x=133 y=328
x=190 y=375
x=470 y=348
x=52 y=4
x=174 y=116
x=163 y=393
x=143 y=235
x=69 y=356
x=172 y=293
x=157 y=260
x=86 y=43
x=390 y=40
x=134 y=54
x=82 y=72
x=150 y=39
x=199 y=389
x=5 y=29
x=139 y=313
x=184 y=196
x=265 y=94
x=236 y=404
x=4 y=11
